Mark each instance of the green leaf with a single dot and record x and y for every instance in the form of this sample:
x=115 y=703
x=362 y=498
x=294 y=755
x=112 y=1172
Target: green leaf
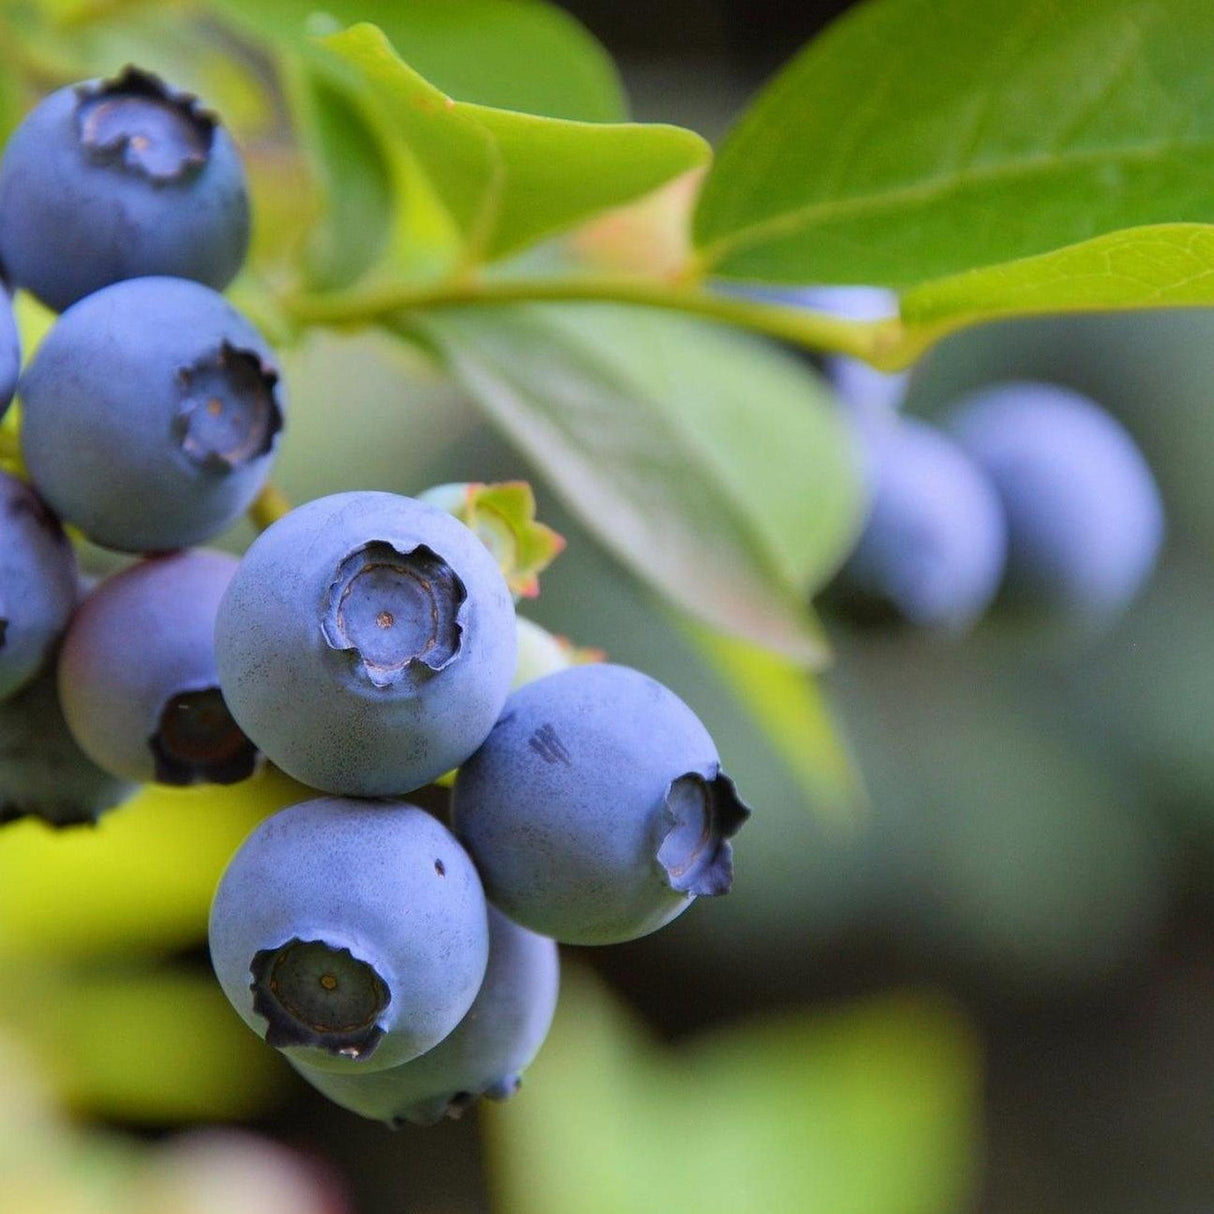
x=714 y=465
x=502 y=515
x=517 y=54
x=508 y=179
x=141 y=881
x=147 y=1044
x=919 y=138
x=791 y=709
x=1166 y=265
x=869 y=1109
x=355 y=183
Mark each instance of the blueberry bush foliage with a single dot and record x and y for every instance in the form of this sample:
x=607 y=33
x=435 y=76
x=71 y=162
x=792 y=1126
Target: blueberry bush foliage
x=453 y=181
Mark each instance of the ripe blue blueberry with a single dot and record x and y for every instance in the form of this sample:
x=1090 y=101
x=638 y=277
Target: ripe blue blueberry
x=1084 y=514
x=933 y=547
x=484 y=1056
x=597 y=810
x=350 y=933
x=151 y=412
x=366 y=643
x=116 y=179
x=137 y=676
x=10 y=350
x=43 y=771
x=38 y=583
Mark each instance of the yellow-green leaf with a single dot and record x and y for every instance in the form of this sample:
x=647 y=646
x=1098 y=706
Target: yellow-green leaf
x=506 y=178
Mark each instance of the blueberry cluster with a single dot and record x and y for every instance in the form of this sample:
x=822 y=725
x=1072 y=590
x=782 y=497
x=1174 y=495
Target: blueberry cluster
x=367 y=645
x=1029 y=498
x=149 y=419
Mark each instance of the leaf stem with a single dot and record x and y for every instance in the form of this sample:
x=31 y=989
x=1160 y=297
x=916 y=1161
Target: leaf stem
x=881 y=343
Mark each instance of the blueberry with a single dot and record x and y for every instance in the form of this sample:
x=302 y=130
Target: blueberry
x=350 y=933
x=10 y=350
x=151 y=412
x=43 y=771
x=38 y=583
x=484 y=1056
x=596 y=810
x=137 y=675
x=1084 y=514
x=860 y=387
x=932 y=550
x=116 y=179
x=366 y=643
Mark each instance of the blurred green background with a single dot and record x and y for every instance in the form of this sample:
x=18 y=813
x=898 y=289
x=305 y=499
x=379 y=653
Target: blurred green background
x=985 y=984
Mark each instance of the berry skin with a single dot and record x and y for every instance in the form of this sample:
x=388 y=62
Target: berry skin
x=932 y=550
x=1085 y=517
x=137 y=675
x=596 y=810
x=116 y=179
x=484 y=1056
x=151 y=412
x=350 y=934
x=43 y=772
x=10 y=350
x=366 y=643
x=38 y=583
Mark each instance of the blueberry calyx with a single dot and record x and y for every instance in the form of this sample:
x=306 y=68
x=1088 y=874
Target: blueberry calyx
x=703 y=813
x=137 y=121
x=314 y=994
x=229 y=414
x=396 y=612
x=197 y=741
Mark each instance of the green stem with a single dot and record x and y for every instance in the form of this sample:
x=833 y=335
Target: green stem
x=880 y=343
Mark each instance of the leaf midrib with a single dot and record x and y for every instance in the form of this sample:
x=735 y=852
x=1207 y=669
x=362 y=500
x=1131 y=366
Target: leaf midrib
x=792 y=221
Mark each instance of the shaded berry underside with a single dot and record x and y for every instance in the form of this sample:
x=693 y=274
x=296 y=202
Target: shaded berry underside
x=197 y=741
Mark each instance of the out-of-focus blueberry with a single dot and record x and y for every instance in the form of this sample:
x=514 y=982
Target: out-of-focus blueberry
x=116 y=179
x=1085 y=517
x=151 y=413
x=860 y=387
x=350 y=933
x=10 y=350
x=933 y=547
x=597 y=810
x=366 y=643
x=484 y=1056
x=137 y=676
x=43 y=772
x=39 y=583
